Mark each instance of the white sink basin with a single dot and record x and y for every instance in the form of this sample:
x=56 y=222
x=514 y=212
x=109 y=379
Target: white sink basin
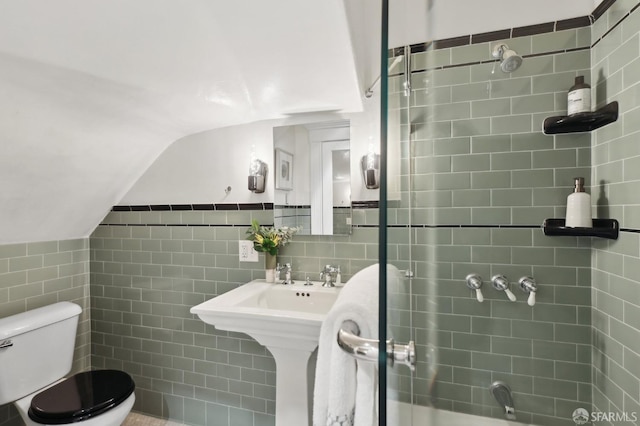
x=273 y=314
x=296 y=298
x=287 y=320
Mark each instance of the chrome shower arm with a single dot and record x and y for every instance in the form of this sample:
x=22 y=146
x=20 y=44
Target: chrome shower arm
x=369 y=92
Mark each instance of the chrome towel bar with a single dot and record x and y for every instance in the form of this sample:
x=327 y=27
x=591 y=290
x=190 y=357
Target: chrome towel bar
x=367 y=349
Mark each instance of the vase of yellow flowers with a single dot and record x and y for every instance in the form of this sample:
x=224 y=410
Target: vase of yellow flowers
x=268 y=241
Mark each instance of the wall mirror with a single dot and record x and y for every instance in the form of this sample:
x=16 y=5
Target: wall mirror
x=312 y=167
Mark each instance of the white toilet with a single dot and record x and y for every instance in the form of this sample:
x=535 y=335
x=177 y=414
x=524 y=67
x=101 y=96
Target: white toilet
x=36 y=351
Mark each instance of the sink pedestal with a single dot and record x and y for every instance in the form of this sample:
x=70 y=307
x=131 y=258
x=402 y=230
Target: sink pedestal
x=284 y=319
x=292 y=384
x=292 y=387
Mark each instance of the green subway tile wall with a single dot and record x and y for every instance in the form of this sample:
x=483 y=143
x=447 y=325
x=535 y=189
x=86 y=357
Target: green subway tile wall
x=616 y=264
x=38 y=274
x=530 y=348
x=144 y=280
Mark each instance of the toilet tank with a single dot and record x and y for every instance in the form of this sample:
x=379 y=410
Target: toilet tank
x=36 y=348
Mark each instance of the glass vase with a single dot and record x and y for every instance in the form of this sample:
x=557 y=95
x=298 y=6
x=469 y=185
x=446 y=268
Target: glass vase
x=270 y=262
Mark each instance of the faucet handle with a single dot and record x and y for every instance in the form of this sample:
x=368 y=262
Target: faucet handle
x=528 y=285
x=328 y=269
x=328 y=275
x=474 y=282
x=501 y=283
x=286 y=267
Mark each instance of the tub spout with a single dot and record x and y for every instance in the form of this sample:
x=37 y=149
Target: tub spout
x=509 y=413
x=502 y=393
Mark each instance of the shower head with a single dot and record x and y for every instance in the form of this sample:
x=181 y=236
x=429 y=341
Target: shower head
x=511 y=61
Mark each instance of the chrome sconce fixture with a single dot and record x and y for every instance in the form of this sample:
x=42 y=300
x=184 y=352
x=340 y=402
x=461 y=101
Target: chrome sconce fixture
x=370 y=164
x=257 y=174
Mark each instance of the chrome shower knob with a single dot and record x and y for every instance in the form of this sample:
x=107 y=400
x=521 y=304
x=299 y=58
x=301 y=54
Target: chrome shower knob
x=528 y=285
x=501 y=283
x=474 y=282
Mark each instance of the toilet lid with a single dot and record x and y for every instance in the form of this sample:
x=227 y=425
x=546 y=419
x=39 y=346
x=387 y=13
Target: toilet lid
x=81 y=396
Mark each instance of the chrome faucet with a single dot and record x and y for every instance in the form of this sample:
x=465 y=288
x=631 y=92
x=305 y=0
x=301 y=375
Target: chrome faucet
x=329 y=274
x=287 y=274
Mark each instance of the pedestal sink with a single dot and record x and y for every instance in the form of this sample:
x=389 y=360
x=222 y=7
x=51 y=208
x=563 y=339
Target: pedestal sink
x=286 y=319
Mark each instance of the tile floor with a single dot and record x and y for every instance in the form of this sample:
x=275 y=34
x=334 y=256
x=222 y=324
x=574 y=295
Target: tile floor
x=135 y=419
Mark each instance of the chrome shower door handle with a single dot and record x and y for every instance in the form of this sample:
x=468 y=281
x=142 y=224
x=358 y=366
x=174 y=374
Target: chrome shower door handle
x=402 y=354
x=368 y=349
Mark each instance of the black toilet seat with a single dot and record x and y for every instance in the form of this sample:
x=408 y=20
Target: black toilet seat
x=81 y=396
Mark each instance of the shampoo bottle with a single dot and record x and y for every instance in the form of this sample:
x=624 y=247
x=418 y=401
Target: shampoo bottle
x=579 y=97
x=579 y=206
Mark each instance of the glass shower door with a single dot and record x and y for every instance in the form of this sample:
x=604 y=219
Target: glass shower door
x=396 y=236
x=466 y=209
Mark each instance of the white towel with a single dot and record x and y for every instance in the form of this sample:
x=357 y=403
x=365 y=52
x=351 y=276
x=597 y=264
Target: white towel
x=345 y=391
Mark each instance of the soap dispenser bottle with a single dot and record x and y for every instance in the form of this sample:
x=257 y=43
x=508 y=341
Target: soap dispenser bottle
x=579 y=97
x=579 y=206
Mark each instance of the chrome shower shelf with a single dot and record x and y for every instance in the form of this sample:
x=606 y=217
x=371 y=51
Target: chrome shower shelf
x=582 y=122
x=603 y=228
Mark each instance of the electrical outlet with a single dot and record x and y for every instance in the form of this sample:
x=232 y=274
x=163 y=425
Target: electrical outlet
x=247 y=253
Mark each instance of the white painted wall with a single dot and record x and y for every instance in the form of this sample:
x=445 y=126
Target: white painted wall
x=197 y=168
x=71 y=145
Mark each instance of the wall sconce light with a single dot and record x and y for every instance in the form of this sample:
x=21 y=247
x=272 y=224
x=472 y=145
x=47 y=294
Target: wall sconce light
x=257 y=174
x=370 y=164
